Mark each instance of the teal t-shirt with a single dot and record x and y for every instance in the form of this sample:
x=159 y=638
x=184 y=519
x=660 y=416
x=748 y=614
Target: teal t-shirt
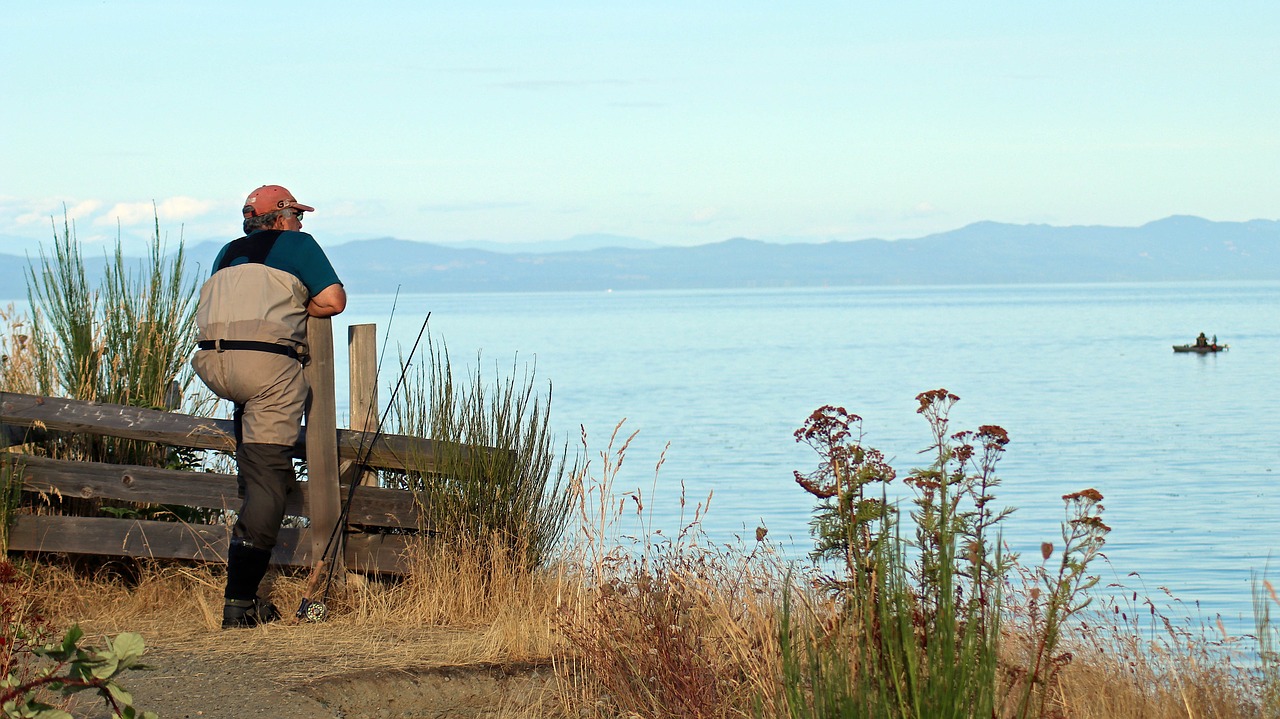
x=297 y=253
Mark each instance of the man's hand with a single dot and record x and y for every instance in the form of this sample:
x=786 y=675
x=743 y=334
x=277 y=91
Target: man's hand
x=328 y=302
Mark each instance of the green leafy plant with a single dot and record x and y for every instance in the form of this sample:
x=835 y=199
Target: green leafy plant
x=74 y=668
x=40 y=672
x=920 y=592
x=852 y=515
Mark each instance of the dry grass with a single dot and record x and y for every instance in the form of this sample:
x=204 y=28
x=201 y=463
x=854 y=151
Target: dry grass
x=1137 y=656
x=659 y=628
x=606 y=641
x=449 y=611
x=1099 y=686
x=17 y=352
x=682 y=630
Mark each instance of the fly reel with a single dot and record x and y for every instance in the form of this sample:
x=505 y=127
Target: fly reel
x=312 y=610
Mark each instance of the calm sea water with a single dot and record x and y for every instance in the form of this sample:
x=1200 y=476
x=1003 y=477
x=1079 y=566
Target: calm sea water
x=1185 y=448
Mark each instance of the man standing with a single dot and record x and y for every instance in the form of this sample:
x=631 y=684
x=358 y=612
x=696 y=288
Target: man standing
x=252 y=320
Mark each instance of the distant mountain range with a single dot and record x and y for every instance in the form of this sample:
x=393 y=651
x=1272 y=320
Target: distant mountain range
x=1177 y=248
x=575 y=243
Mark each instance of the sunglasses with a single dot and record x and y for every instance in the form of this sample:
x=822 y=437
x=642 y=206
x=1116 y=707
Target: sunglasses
x=297 y=214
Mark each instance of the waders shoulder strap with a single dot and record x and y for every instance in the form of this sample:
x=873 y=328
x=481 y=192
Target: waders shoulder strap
x=253 y=248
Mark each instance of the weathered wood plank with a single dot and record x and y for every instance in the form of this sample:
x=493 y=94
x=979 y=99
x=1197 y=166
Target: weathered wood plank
x=324 y=502
x=115 y=420
x=96 y=480
x=362 y=364
x=371 y=506
x=391 y=451
x=105 y=536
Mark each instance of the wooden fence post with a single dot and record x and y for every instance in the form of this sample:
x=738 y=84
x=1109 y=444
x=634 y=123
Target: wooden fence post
x=362 y=356
x=322 y=443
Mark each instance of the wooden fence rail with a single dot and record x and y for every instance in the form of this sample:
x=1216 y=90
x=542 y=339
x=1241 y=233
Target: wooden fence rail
x=371 y=506
x=108 y=536
x=390 y=451
x=383 y=520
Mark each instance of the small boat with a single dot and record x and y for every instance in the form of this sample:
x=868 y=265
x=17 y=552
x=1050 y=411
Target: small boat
x=1200 y=349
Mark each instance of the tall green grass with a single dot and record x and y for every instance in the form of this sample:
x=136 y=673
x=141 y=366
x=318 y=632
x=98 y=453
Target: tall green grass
x=124 y=340
x=497 y=477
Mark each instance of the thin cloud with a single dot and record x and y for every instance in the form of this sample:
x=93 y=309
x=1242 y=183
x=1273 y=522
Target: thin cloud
x=38 y=212
x=639 y=104
x=922 y=210
x=563 y=84
x=705 y=215
x=173 y=208
x=475 y=70
x=471 y=206
x=346 y=208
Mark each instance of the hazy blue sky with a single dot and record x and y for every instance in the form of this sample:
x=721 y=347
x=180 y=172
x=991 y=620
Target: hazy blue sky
x=678 y=122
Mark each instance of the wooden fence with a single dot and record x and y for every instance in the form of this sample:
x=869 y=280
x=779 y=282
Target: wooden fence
x=380 y=519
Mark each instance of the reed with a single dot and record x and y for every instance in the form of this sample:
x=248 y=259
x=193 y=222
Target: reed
x=16 y=375
x=64 y=325
x=125 y=340
x=1136 y=654
x=497 y=478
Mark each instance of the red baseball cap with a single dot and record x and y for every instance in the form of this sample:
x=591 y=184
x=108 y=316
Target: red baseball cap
x=270 y=198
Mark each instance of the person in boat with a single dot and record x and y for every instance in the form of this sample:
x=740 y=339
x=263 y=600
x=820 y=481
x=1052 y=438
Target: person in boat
x=1203 y=341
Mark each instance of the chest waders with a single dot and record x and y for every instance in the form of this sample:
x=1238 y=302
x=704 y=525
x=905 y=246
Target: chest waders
x=266 y=475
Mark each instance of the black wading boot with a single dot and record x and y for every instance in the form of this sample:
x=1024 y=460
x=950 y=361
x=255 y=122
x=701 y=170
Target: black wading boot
x=248 y=613
x=246 y=565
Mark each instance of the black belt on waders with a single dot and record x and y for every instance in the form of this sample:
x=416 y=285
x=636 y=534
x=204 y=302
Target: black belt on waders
x=286 y=350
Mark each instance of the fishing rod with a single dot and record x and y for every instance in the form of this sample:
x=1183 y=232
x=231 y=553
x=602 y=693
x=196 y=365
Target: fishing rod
x=315 y=610
x=382 y=354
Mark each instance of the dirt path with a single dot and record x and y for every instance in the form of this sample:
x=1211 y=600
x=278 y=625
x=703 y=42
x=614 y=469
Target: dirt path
x=439 y=693
x=183 y=685
x=240 y=677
